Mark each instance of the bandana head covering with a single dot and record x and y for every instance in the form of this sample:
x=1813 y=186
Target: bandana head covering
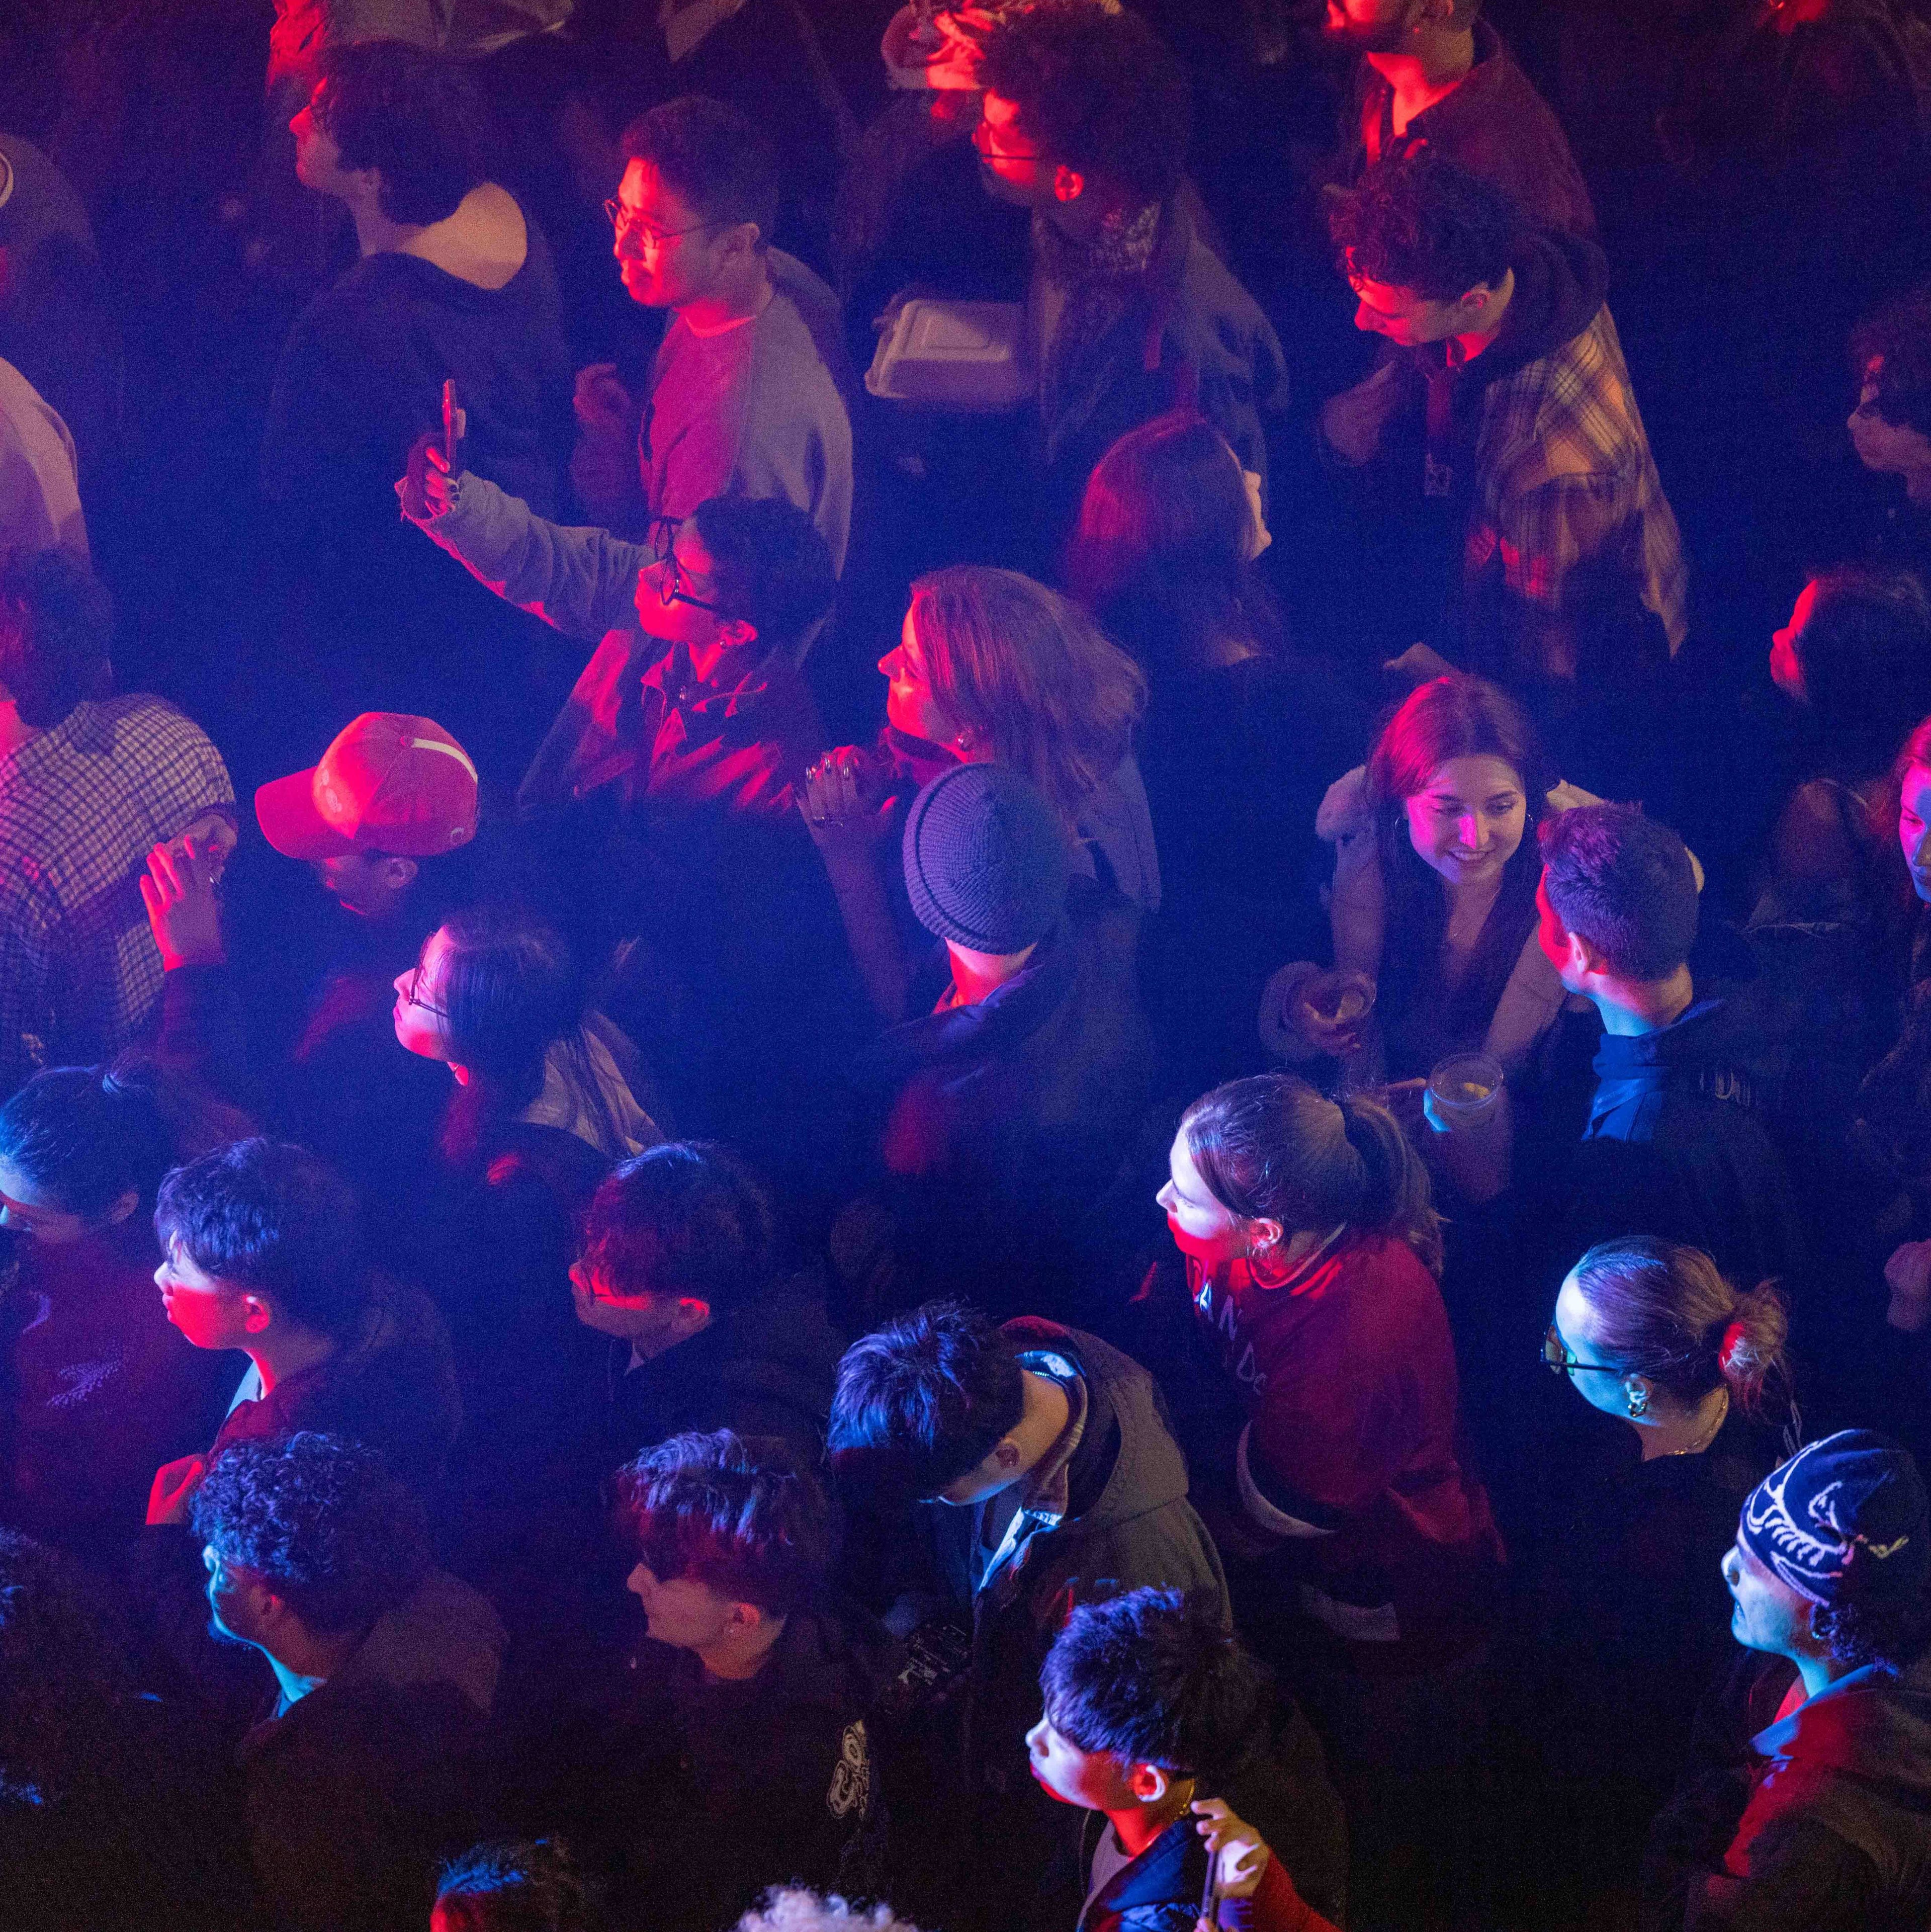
x=1844 y=1518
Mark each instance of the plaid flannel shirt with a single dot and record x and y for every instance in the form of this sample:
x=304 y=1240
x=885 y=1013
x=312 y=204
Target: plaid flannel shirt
x=1564 y=477
x=81 y=806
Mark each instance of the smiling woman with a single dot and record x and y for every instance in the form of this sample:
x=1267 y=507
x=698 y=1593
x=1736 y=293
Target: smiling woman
x=1434 y=892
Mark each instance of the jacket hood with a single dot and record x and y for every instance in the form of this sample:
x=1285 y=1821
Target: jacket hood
x=1149 y=1471
x=1856 y=1759
x=1561 y=280
x=443 y=1633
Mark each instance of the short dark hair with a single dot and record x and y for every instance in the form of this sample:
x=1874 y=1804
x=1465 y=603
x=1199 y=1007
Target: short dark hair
x=1155 y=1677
x=772 y=567
x=714 y=158
x=1099 y=90
x=414 y=116
x=683 y=1218
x=736 y=1514
x=1897 y=337
x=533 y=1885
x=1865 y=652
x=1625 y=884
x=1418 y=222
x=323 y=1521
x=263 y=1215
x=56 y=624
x=926 y=1398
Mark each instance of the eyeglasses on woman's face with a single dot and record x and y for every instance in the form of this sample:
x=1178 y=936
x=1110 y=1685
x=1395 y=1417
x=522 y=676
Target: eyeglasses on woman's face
x=412 y=994
x=1559 y=1360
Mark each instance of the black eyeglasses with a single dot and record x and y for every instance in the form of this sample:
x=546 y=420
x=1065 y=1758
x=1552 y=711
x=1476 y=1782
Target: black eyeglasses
x=1559 y=1361
x=413 y=997
x=624 y=221
x=670 y=581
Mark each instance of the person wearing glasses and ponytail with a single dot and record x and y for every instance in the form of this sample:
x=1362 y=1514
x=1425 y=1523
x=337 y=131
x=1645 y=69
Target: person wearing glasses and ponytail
x=1312 y=1248
x=1626 y=1617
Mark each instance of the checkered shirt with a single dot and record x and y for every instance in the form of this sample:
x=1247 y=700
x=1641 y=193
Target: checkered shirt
x=81 y=806
x=1564 y=477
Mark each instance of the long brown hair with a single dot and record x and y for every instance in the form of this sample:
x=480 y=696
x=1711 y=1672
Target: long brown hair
x=1457 y=716
x=1272 y=1147
x=1029 y=673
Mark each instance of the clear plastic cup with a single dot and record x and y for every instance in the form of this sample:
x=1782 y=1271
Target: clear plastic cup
x=1466 y=1088
x=1339 y=997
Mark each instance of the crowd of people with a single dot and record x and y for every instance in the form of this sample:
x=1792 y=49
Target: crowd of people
x=1155 y=1279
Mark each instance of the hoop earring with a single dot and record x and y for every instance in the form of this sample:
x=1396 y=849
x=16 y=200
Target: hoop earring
x=1639 y=1402
x=1273 y=1271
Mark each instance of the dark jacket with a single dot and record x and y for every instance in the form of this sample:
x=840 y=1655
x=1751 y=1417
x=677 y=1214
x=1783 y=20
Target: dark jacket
x=997 y=1125
x=101 y=1390
x=355 y=1792
x=1676 y=1148
x=777 y=1777
x=1283 y=1792
x=1823 y=1824
x=1631 y=1620
x=390 y=1383
x=1493 y=123
x=498 y=1237
x=1189 y=332
x=1128 y=1524
x=763 y=1368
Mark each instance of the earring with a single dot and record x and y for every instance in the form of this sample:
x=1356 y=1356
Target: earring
x=1638 y=1401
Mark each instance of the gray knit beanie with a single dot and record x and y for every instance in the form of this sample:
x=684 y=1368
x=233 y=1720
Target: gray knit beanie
x=986 y=860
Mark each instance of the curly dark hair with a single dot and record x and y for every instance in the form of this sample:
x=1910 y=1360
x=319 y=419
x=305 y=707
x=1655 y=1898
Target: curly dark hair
x=1897 y=338
x=1099 y=91
x=414 y=116
x=926 y=1398
x=1418 y=222
x=56 y=623
x=531 y=1885
x=321 y=1520
x=1892 y=1635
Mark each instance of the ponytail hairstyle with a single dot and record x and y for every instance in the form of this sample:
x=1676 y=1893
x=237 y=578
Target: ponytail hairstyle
x=1272 y=1147
x=1664 y=1311
x=87 y=1137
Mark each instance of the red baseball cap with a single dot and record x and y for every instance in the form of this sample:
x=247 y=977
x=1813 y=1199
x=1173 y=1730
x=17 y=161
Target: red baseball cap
x=388 y=783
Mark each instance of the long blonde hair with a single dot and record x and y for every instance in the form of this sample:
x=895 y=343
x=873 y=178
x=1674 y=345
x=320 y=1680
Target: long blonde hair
x=1030 y=674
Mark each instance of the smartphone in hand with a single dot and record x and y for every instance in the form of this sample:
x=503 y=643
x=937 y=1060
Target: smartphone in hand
x=452 y=427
